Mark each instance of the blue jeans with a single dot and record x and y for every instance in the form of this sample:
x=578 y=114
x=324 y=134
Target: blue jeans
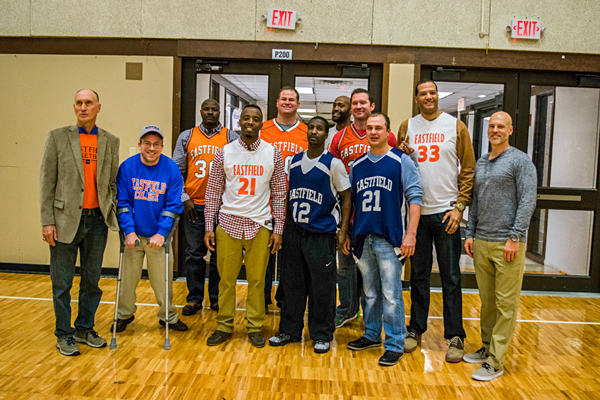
x=195 y=265
x=90 y=241
x=382 y=283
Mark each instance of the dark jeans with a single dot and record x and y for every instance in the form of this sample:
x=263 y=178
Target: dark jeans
x=195 y=265
x=309 y=272
x=90 y=241
x=279 y=294
x=448 y=247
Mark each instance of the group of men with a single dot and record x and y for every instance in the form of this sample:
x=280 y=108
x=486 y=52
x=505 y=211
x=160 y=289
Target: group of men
x=307 y=190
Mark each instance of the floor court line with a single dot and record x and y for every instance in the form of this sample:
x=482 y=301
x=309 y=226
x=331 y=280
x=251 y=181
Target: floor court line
x=534 y=321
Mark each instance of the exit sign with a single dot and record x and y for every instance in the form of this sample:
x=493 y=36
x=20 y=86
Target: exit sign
x=526 y=28
x=282 y=19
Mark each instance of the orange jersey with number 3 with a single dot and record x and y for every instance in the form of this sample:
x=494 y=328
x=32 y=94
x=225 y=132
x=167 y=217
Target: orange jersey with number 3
x=289 y=142
x=201 y=151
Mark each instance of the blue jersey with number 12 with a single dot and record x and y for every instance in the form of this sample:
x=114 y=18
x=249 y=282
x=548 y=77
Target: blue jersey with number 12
x=312 y=203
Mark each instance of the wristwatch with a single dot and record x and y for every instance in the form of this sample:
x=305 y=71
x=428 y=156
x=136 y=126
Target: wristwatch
x=460 y=207
x=513 y=238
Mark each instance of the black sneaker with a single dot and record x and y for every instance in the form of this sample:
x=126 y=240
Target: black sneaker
x=390 y=358
x=214 y=307
x=362 y=344
x=191 y=309
x=256 y=339
x=281 y=339
x=218 y=337
x=177 y=326
x=122 y=323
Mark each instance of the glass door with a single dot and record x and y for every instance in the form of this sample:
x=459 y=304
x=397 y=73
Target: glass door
x=561 y=136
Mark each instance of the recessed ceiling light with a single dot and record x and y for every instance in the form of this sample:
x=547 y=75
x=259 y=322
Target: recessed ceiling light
x=305 y=90
x=307 y=110
x=481 y=96
x=441 y=95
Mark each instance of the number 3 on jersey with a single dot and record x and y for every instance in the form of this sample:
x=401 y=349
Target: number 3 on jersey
x=434 y=153
x=201 y=164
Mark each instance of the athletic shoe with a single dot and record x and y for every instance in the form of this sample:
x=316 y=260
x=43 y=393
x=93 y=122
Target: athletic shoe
x=479 y=357
x=90 y=338
x=256 y=339
x=321 y=347
x=122 y=324
x=362 y=344
x=281 y=339
x=456 y=350
x=215 y=307
x=67 y=346
x=487 y=373
x=177 y=326
x=191 y=308
x=342 y=320
x=411 y=342
x=218 y=337
x=390 y=358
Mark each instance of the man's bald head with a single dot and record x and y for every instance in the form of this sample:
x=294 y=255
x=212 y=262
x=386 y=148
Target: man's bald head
x=499 y=129
x=504 y=116
x=90 y=92
x=210 y=113
x=210 y=102
x=340 y=113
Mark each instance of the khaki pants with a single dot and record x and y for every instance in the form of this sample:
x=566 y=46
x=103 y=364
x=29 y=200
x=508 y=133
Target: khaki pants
x=133 y=260
x=499 y=283
x=229 y=263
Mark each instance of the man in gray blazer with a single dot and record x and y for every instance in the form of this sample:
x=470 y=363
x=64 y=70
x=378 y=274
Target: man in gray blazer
x=78 y=200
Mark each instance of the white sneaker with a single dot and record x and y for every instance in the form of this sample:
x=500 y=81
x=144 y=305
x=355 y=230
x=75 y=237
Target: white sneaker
x=479 y=357
x=321 y=347
x=487 y=373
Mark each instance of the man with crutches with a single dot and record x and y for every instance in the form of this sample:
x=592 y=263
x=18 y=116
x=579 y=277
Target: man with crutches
x=149 y=201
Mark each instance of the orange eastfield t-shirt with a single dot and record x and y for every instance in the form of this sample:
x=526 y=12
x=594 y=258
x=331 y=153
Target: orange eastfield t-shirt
x=289 y=143
x=89 y=155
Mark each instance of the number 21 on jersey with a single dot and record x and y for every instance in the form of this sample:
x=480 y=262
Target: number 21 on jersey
x=244 y=191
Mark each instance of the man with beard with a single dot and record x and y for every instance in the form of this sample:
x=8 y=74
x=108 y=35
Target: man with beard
x=340 y=114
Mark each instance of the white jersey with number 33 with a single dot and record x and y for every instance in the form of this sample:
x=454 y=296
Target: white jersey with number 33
x=436 y=155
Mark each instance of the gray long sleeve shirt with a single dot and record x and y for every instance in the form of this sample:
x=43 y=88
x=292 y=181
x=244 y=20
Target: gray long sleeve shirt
x=504 y=197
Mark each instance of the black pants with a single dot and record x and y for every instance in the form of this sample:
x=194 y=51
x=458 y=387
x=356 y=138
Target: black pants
x=310 y=271
x=448 y=247
x=279 y=296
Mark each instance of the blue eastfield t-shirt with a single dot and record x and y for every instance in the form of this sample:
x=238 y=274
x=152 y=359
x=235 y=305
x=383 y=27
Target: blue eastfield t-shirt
x=148 y=190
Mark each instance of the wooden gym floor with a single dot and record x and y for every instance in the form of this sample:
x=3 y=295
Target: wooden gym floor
x=555 y=354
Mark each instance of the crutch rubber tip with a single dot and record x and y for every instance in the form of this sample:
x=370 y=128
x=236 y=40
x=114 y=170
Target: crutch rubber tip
x=113 y=344
x=167 y=345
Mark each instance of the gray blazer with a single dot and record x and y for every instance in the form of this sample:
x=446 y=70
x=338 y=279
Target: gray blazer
x=62 y=184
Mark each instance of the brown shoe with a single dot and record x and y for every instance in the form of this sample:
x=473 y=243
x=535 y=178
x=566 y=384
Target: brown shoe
x=177 y=326
x=191 y=308
x=257 y=339
x=218 y=337
x=122 y=324
x=411 y=342
x=456 y=350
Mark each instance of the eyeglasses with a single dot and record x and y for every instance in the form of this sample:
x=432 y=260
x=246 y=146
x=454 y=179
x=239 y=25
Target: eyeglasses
x=155 y=144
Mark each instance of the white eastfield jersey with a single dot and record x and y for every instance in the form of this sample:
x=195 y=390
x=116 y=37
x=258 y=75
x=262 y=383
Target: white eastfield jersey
x=248 y=176
x=437 y=159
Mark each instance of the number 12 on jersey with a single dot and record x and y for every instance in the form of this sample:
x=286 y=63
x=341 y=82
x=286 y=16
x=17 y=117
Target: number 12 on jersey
x=301 y=216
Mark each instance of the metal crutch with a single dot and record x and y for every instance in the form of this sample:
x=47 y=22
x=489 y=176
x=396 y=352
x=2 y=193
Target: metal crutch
x=113 y=341
x=167 y=245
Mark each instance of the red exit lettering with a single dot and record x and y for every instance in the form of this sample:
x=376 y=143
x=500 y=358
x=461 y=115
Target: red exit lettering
x=525 y=28
x=281 y=17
